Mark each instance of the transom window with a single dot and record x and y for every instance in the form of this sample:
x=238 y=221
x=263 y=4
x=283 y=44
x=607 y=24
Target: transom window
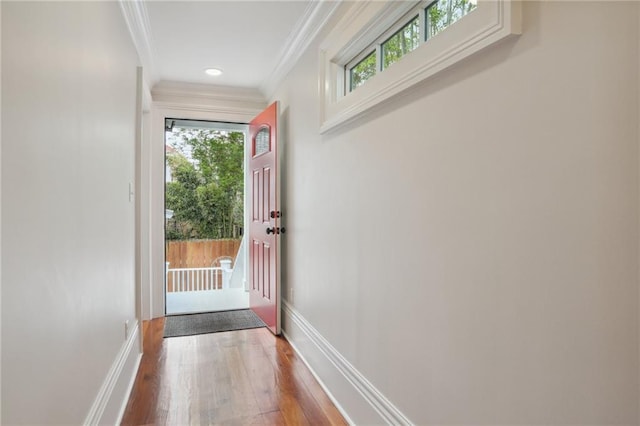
x=416 y=27
x=381 y=48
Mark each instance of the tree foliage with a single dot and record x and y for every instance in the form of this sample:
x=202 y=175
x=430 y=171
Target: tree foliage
x=363 y=71
x=401 y=43
x=206 y=194
x=443 y=13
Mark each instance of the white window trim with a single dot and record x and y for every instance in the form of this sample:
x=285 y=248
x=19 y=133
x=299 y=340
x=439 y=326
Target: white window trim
x=490 y=22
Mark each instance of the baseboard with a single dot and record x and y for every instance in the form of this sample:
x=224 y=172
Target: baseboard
x=128 y=388
x=354 y=396
x=109 y=405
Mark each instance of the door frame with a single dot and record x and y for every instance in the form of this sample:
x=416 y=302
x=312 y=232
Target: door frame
x=159 y=111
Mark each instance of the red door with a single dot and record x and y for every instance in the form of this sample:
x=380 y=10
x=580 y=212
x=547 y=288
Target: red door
x=264 y=229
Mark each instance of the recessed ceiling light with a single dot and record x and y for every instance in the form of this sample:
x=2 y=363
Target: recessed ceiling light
x=213 y=71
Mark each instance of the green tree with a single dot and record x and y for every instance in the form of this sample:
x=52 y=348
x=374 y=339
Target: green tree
x=401 y=43
x=206 y=194
x=363 y=71
x=443 y=13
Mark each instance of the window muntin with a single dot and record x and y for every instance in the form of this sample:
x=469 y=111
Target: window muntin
x=401 y=43
x=408 y=33
x=362 y=71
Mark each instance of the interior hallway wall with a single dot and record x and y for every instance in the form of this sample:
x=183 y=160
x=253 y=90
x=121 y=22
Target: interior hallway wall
x=68 y=114
x=471 y=247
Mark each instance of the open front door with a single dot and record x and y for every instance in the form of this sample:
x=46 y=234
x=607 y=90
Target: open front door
x=264 y=229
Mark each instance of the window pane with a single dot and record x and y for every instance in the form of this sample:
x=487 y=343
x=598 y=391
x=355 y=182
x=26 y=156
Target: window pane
x=363 y=71
x=401 y=43
x=442 y=13
x=262 y=141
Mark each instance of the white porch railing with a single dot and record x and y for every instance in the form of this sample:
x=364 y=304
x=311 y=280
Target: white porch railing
x=198 y=279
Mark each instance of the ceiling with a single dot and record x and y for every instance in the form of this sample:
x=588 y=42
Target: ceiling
x=248 y=40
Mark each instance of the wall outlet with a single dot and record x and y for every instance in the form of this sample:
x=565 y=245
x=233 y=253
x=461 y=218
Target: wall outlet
x=126 y=330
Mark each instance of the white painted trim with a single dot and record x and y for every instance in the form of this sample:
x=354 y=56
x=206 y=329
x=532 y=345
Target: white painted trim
x=491 y=22
x=128 y=355
x=140 y=220
x=183 y=108
x=145 y=209
x=0 y=211
x=146 y=96
x=324 y=387
x=638 y=123
x=205 y=109
x=137 y=19
x=332 y=359
x=313 y=20
x=129 y=388
x=205 y=98
x=168 y=90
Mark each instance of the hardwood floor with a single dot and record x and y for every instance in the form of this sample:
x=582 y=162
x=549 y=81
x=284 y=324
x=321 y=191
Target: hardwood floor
x=246 y=377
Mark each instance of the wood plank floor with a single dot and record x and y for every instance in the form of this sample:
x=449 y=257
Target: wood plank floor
x=246 y=377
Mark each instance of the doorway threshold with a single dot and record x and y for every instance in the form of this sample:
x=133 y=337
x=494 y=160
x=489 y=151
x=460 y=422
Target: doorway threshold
x=189 y=302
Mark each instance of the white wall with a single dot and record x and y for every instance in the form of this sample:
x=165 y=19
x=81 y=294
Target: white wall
x=471 y=247
x=68 y=109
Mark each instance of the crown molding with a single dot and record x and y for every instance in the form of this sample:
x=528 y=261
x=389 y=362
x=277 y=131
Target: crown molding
x=137 y=19
x=314 y=19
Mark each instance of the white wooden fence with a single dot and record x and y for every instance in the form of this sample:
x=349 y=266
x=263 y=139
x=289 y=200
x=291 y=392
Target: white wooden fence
x=198 y=279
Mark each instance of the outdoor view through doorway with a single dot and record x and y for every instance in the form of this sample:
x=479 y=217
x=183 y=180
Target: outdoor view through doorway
x=204 y=216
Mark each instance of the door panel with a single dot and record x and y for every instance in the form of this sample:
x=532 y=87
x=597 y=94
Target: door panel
x=264 y=229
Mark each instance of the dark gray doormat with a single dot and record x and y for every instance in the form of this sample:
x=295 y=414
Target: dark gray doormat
x=212 y=322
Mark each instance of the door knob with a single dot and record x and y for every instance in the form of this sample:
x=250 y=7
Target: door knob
x=276 y=231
